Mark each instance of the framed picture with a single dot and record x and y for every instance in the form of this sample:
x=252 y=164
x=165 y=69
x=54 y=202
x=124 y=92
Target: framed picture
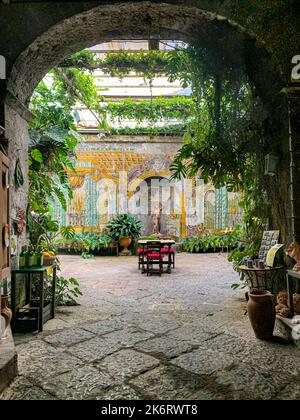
x=270 y=238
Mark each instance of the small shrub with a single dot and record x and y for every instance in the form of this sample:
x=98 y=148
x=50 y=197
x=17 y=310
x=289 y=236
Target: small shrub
x=67 y=291
x=212 y=242
x=124 y=226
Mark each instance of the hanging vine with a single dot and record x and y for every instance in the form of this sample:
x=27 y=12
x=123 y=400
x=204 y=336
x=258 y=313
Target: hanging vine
x=220 y=141
x=157 y=109
x=147 y=64
x=224 y=143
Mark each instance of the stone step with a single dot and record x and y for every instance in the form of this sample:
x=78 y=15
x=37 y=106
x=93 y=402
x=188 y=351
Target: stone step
x=8 y=360
x=290 y=331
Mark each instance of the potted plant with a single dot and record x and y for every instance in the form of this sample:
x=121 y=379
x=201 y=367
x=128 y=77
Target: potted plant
x=124 y=228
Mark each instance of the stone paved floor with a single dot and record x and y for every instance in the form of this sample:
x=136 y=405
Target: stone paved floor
x=181 y=336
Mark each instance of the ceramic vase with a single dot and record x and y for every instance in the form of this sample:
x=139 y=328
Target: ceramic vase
x=5 y=312
x=125 y=242
x=261 y=312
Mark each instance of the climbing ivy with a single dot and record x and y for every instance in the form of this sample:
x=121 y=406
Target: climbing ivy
x=218 y=118
x=158 y=109
x=75 y=86
x=224 y=142
x=220 y=144
x=119 y=64
x=152 y=131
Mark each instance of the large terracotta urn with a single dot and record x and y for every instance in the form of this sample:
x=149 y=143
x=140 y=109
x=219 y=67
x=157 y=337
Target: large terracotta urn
x=261 y=312
x=5 y=312
x=125 y=242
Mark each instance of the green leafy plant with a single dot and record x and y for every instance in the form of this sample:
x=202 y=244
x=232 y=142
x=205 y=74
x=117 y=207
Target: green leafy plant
x=226 y=142
x=85 y=242
x=212 y=243
x=120 y=64
x=152 y=131
x=157 y=109
x=220 y=144
x=248 y=246
x=43 y=235
x=152 y=237
x=91 y=242
x=87 y=256
x=44 y=231
x=124 y=226
x=53 y=140
x=67 y=291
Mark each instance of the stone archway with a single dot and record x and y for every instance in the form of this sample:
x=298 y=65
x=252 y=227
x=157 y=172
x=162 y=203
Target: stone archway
x=142 y=20
x=83 y=27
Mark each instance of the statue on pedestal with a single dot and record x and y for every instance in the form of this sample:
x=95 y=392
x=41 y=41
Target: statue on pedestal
x=157 y=220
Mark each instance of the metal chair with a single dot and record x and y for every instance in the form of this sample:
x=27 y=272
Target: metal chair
x=154 y=256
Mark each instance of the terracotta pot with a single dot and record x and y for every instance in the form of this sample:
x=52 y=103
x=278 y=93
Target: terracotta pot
x=261 y=312
x=5 y=311
x=125 y=242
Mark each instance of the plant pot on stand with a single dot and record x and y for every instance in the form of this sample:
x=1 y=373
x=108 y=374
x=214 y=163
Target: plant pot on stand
x=261 y=312
x=125 y=242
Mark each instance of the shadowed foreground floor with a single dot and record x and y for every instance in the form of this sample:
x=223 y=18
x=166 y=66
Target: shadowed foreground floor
x=181 y=336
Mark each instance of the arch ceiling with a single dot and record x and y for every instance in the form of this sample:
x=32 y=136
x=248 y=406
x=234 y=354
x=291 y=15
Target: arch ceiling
x=142 y=20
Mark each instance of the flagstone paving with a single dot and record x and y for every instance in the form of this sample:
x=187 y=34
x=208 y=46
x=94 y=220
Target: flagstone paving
x=184 y=335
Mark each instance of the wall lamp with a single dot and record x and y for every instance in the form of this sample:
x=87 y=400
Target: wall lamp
x=271 y=163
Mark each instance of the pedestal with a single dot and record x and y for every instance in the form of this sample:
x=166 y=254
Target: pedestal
x=8 y=360
x=2 y=326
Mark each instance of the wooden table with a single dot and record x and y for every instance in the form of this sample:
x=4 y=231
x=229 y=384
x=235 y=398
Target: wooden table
x=166 y=243
x=262 y=278
x=293 y=286
x=43 y=310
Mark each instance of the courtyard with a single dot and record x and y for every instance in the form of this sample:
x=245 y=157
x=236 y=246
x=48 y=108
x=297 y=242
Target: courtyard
x=179 y=336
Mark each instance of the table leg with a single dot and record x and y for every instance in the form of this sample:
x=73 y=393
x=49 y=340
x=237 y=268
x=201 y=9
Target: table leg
x=28 y=288
x=53 y=292
x=265 y=277
x=13 y=301
x=143 y=256
x=41 y=305
x=169 y=260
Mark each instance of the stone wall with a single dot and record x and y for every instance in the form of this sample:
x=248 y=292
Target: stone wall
x=17 y=135
x=120 y=174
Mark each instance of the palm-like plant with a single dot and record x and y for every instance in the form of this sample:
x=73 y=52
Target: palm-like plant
x=124 y=226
